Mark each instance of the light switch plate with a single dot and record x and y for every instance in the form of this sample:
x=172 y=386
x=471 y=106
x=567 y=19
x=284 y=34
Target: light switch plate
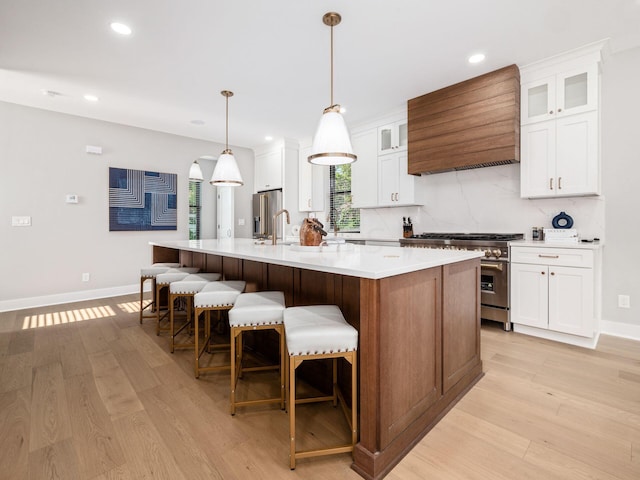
x=71 y=198
x=20 y=221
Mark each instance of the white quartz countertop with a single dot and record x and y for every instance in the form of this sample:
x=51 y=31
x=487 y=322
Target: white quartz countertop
x=544 y=244
x=364 y=261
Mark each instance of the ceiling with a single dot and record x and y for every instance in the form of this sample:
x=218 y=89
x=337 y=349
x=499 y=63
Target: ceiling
x=274 y=55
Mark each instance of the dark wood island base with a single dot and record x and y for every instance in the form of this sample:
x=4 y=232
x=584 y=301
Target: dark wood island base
x=419 y=336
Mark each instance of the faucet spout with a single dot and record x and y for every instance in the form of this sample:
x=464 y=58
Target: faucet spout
x=274 y=233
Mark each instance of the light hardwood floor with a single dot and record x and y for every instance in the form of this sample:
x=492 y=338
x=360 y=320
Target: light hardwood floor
x=87 y=393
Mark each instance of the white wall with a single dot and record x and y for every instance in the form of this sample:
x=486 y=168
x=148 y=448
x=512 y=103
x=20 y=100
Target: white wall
x=621 y=177
x=42 y=158
x=488 y=199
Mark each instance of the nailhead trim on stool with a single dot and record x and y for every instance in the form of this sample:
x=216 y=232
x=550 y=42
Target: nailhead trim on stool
x=313 y=333
x=149 y=273
x=256 y=311
x=219 y=297
x=186 y=287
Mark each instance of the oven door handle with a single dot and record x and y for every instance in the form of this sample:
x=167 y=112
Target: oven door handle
x=491 y=266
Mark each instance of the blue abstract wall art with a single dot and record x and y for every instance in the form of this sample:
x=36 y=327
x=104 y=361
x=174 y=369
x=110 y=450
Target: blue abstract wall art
x=140 y=200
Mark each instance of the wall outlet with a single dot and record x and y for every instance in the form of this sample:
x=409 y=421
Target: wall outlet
x=86 y=277
x=624 y=301
x=241 y=221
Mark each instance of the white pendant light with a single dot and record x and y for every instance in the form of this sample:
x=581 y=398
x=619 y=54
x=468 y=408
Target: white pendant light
x=331 y=144
x=226 y=173
x=195 y=172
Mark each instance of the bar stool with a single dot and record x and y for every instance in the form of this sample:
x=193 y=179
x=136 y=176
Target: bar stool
x=163 y=280
x=256 y=311
x=149 y=273
x=219 y=297
x=187 y=287
x=312 y=333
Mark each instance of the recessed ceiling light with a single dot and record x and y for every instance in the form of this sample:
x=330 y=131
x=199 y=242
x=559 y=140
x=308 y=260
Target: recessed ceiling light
x=120 y=28
x=197 y=122
x=268 y=138
x=91 y=98
x=477 y=58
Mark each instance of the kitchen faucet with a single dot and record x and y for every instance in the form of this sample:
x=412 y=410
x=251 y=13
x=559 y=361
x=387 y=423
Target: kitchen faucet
x=274 y=233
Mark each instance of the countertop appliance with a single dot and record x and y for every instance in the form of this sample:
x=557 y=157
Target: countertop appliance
x=494 y=275
x=265 y=206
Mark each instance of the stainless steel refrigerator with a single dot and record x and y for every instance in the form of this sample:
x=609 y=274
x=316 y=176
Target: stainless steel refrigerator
x=265 y=206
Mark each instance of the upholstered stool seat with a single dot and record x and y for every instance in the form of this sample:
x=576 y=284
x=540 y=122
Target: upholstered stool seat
x=149 y=273
x=320 y=332
x=162 y=282
x=256 y=311
x=219 y=297
x=187 y=287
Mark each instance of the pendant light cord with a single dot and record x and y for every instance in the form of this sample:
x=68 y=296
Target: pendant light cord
x=331 y=104
x=227 y=125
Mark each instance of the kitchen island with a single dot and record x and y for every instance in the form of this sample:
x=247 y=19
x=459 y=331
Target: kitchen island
x=417 y=312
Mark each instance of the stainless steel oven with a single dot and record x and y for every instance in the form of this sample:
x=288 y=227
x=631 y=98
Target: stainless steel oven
x=494 y=274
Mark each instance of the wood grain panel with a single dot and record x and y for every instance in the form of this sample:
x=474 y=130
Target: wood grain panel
x=460 y=321
x=54 y=462
x=165 y=255
x=15 y=415
x=255 y=274
x=314 y=288
x=50 y=420
x=96 y=445
x=213 y=263
x=281 y=278
x=232 y=268
x=410 y=356
x=467 y=124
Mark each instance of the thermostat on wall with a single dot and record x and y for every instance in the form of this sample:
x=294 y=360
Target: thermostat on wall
x=72 y=198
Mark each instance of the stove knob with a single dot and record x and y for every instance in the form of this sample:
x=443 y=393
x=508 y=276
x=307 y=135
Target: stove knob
x=487 y=253
x=496 y=253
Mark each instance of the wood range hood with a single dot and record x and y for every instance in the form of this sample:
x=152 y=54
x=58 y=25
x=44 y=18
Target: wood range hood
x=472 y=124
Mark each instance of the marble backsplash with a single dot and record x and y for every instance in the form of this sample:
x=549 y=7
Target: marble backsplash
x=482 y=200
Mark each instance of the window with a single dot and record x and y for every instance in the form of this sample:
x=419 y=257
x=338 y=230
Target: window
x=194 y=210
x=341 y=214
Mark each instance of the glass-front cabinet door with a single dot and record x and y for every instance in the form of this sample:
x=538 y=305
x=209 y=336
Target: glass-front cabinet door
x=392 y=137
x=568 y=93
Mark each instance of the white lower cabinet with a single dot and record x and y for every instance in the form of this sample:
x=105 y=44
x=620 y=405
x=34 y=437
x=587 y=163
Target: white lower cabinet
x=554 y=289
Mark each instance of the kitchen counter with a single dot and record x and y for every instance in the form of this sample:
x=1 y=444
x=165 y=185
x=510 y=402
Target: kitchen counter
x=363 y=261
x=417 y=312
x=545 y=244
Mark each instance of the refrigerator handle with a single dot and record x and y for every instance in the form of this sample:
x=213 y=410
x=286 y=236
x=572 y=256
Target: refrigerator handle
x=264 y=213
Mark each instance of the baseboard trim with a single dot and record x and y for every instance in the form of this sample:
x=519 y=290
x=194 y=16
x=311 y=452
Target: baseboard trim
x=57 y=299
x=619 y=329
x=576 y=340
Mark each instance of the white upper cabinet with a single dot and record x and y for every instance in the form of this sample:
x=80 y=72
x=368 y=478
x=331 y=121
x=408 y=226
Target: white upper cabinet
x=395 y=186
x=559 y=135
x=364 y=171
x=379 y=178
x=311 y=191
x=393 y=137
x=567 y=93
x=269 y=169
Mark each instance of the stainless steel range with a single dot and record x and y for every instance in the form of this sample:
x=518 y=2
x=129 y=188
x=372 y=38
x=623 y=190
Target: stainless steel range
x=494 y=296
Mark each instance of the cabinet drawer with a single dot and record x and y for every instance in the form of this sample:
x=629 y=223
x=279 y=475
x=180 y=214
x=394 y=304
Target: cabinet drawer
x=569 y=257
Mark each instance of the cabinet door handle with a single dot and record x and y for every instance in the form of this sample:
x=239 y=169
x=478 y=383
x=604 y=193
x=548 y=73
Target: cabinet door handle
x=552 y=273
x=541 y=273
x=550 y=112
x=559 y=183
x=551 y=184
x=396 y=197
x=559 y=110
x=548 y=256
x=392 y=197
